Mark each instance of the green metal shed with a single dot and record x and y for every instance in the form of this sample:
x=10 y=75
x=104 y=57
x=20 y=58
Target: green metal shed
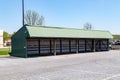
x=40 y=40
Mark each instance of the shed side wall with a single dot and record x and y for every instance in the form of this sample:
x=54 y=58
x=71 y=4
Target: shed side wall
x=19 y=43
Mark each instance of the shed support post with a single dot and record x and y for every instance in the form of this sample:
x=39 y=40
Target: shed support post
x=85 y=45
x=77 y=46
x=94 y=46
x=70 y=46
x=50 y=47
x=60 y=46
x=108 y=44
x=100 y=45
x=54 y=41
x=39 y=46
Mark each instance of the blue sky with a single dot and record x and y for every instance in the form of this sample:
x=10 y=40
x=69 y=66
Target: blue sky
x=102 y=14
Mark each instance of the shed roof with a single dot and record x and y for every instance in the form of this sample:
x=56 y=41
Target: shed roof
x=57 y=32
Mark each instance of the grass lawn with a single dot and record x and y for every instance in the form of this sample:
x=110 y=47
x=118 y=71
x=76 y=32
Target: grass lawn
x=4 y=51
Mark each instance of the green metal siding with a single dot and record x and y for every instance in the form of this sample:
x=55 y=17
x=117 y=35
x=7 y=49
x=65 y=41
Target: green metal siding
x=53 y=32
x=19 y=43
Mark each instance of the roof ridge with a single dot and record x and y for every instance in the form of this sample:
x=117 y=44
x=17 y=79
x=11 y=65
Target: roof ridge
x=66 y=28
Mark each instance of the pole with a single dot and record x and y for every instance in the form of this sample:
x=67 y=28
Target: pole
x=23 y=12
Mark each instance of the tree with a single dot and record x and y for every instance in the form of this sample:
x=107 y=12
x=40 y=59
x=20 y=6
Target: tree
x=6 y=36
x=116 y=37
x=88 y=26
x=33 y=18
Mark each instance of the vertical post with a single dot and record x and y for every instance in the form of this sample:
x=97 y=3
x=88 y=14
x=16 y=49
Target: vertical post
x=85 y=45
x=39 y=46
x=70 y=46
x=107 y=44
x=76 y=46
x=100 y=48
x=54 y=47
x=60 y=46
x=94 y=46
x=50 y=47
x=23 y=12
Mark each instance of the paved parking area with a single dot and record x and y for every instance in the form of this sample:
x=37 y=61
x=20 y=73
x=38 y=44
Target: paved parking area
x=87 y=66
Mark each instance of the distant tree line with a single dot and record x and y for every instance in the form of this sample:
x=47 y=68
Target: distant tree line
x=6 y=36
x=116 y=37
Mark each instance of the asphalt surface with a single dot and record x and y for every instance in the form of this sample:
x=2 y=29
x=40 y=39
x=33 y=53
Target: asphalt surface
x=83 y=66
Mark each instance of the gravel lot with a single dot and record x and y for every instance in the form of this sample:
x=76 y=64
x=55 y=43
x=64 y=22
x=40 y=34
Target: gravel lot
x=87 y=66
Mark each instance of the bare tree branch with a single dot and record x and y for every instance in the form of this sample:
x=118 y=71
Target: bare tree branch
x=88 y=26
x=33 y=18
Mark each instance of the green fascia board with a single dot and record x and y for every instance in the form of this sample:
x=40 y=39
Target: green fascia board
x=57 y=32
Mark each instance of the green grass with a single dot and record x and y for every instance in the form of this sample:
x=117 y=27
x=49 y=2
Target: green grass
x=4 y=51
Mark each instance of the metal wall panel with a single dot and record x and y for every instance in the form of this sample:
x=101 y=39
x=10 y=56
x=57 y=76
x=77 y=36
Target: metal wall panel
x=104 y=45
x=97 y=45
x=89 y=45
x=101 y=45
x=81 y=45
x=57 y=46
x=65 y=46
x=32 y=47
x=44 y=47
x=19 y=43
x=73 y=46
